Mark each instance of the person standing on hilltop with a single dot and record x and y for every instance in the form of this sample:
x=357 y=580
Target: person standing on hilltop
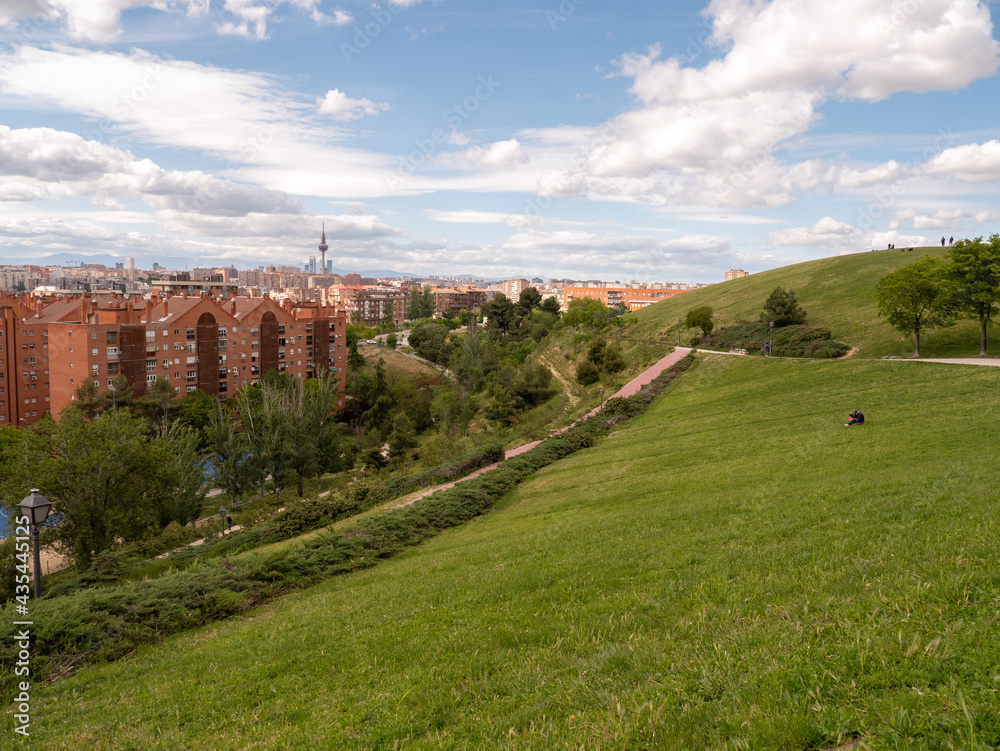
x=942 y=242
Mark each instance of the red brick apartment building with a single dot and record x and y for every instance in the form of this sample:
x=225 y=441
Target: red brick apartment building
x=633 y=298
x=49 y=346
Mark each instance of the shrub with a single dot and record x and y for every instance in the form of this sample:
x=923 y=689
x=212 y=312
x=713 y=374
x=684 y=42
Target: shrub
x=587 y=373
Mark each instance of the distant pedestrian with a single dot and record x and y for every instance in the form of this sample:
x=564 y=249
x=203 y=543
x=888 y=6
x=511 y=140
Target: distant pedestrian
x=856 y=418
x=767 y=349
x=951 y=240
x=229 y=522
x=942 y=242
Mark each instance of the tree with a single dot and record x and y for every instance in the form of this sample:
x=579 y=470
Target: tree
x=584 y=311
x=782 y=307
x=430 y=340
x=391 y=341
x=500 y=314
x=86 y=398
x=230 y=453
x=401 y=439
x=421 y=304
x=379 y=400
x=701 y=318
x=110 y=482
x=915 y=297
x=975 y=271
x=119 y=393
x=529 y=299
x=587 y=373
x=550 y=305
x=157 y=406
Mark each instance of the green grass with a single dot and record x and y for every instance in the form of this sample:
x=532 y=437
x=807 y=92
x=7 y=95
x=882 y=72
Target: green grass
x=837 y=293
x=735 y=569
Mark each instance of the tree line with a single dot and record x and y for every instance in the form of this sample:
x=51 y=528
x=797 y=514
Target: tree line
x=935 y=292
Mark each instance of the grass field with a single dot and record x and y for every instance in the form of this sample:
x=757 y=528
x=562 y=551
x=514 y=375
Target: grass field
x=735 y=569
x=837 y=293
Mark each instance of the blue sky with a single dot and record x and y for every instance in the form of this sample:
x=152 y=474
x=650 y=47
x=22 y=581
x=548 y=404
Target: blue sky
x=581 y=138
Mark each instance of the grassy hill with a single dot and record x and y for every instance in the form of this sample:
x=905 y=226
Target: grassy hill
x=837 y=293
x=734 y=569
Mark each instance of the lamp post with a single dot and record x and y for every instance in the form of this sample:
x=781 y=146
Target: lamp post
x=770 y=352
x=602 y=398
x=679 y=322
x=36 y=508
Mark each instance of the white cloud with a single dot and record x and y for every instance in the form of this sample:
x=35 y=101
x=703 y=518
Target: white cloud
x=984 y=217
x=342 y=108
x=836 y=236
x=100 y=20
x=974 y=162
x=940 y=219
x=38 y=163
x=495 y=156
x=269 y=136
x=710 y=135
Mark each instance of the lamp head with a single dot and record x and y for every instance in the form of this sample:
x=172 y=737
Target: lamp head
x=36 y=507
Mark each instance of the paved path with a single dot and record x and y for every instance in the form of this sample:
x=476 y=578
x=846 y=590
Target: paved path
x=987 y=361
x=632 y=387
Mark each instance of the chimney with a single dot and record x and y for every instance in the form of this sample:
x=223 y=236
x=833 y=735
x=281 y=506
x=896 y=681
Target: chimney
x=165 y=307
x=232 y=306
x=149 y=311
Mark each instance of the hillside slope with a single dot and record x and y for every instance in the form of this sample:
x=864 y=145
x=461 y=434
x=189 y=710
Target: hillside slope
x=837 y=293
x=735 y=569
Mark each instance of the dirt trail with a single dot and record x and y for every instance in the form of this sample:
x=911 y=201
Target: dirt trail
x=567 y=386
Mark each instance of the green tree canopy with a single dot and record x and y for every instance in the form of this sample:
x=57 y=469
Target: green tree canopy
x=782 y=307
x=975 y=271
x=701 y=318
x=916 y=297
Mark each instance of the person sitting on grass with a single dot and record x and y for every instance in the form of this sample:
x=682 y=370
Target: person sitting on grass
x=855 y=418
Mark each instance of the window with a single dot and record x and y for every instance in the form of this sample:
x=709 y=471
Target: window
x=151 y=335
x=112 y=351
x=112 y=337
x=190 y=334
x=93 y=351
x=93 y=335
x=150 y=365
x=150 y=379
x=177 y=332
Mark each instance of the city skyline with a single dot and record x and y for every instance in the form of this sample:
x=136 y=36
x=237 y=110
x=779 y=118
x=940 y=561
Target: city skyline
x=568 y=139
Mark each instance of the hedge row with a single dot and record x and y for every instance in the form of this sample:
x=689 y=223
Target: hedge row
x=109 y=622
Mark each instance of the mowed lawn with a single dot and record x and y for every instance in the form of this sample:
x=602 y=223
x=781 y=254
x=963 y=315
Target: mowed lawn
x=837 y=293
x=735 y=569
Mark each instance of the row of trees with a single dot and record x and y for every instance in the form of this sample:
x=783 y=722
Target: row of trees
x=935 y=292
x=283 y=431
x=109 y=477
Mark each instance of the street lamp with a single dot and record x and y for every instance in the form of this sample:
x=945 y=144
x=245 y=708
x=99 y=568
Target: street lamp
x=679 y=322
x=36 y=508
x=770 y=351
x=602 y=398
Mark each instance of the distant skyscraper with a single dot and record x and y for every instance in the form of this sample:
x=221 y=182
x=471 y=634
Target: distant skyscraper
x=323 y=247
x=130 y=269
x=312 y=264
x=329 y=266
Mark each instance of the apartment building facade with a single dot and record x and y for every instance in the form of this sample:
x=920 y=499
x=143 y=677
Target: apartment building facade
x=633 y=297
x=48 y=347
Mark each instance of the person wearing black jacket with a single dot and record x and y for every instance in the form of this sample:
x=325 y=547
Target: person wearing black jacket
x=856 y=418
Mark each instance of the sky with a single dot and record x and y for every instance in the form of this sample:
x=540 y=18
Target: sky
x=585 y=139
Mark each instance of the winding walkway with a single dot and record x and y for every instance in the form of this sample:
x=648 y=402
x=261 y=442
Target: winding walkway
x=630 y=388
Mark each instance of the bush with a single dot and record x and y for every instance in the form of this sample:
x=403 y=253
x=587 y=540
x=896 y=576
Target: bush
x=587 y=373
